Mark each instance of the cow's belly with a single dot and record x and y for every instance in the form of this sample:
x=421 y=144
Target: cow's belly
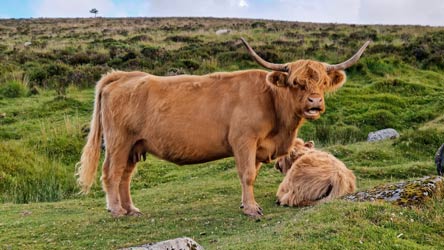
x=188 y=141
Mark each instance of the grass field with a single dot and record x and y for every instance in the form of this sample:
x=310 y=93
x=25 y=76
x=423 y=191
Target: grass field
x=46 y=97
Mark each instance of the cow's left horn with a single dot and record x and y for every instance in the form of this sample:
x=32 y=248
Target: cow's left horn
x=268 y=65
x=349 y=62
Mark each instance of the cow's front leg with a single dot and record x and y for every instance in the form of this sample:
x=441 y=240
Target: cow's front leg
x=245 y=156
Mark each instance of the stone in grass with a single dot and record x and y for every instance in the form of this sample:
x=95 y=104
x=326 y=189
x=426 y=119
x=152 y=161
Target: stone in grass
x=222 y=32
x=407 y=194
x=183 y=243
x=383 y=134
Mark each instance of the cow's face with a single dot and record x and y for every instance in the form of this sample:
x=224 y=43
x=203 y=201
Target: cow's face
x=300 y=148
x=308 y=81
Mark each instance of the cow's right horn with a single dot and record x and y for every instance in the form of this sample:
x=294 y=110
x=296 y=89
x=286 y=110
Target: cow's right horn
x=258 y=59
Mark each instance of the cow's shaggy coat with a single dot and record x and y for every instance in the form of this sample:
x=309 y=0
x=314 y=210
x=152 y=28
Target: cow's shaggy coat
x=252 y=115
x=312 y=177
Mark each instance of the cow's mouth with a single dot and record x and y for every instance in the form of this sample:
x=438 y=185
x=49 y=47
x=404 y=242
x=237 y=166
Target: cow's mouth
x=313 y=113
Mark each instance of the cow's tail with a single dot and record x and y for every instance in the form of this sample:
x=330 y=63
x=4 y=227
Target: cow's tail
x=86 y=169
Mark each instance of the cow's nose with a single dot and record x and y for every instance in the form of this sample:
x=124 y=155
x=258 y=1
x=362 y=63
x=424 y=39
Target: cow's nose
x=315 y=100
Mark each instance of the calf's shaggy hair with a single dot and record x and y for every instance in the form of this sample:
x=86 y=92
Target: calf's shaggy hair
x=312 y=177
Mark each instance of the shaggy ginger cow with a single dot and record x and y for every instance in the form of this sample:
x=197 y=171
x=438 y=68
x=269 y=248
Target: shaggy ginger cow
x=252 y=115
x=312 y=176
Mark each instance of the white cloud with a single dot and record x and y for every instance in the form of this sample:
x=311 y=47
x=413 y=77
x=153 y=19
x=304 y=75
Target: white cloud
x=315 y=11
x=243 y=3
x=425 y=12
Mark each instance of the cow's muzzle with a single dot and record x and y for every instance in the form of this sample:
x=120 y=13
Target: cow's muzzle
x=314 y=107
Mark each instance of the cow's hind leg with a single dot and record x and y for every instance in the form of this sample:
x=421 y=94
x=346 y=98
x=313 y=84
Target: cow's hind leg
x=113 y=169
x=124 y=189
x=137 y=153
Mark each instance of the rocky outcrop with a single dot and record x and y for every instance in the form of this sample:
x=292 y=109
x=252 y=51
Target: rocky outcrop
x=409 y=193
x=383 y=134
x=183 y=243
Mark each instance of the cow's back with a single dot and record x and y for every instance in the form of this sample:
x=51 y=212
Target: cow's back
x=183 y=119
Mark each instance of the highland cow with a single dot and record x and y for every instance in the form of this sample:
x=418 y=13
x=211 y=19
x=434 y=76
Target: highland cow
x=252 y=115
x=312 y=176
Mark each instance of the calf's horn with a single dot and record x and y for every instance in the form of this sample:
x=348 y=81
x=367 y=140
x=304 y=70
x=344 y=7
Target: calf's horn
x=258 y=59
x=349 y=62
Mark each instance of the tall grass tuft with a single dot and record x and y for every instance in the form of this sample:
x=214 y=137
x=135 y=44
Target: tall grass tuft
x=27 y=176
x=14 y=84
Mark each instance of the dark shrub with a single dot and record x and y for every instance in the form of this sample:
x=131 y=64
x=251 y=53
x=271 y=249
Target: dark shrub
x=189 y=64
x=13 y=89
x=184 y=39
x=258 y=24
x=139 y=38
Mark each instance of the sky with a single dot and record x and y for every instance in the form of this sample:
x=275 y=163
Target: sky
x=420 y=12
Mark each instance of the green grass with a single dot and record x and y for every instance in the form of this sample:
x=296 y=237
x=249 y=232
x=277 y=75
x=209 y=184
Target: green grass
x=398 y=83
x=205 y=207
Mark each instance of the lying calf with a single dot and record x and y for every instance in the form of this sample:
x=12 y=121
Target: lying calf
x=312 y=176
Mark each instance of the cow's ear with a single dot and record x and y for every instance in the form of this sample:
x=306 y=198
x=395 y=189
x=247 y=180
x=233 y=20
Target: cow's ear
x=277 y=78
x=337 y=79
x=309 y=144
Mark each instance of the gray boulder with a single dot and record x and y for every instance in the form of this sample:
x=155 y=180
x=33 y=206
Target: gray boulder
x=383 y=134
x=183 y=243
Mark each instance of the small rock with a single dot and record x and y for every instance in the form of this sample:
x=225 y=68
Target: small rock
x=2 y=115
x=222 y=32
x=25 y=213
x=183 y=243
x=383 y=134
x=27 y=44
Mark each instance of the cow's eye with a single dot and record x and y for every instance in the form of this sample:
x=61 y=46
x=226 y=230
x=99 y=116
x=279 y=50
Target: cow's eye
x=302 y=87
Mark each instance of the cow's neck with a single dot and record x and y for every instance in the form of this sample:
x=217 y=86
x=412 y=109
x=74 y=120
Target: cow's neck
x=287 y=122
x=285 y=105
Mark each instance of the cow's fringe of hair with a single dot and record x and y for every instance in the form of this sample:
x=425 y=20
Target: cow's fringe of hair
x=86 y=169
x=309 y=73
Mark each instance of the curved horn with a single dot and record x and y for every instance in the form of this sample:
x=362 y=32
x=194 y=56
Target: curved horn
x=349 y=62
x=258 y=59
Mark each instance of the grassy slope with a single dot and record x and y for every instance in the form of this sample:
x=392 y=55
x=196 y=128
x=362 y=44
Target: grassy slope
x=41 y=139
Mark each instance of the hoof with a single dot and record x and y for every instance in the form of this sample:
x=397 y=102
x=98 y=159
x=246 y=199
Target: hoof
x=254 y=211
x=134 y=212
x=118 y=212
